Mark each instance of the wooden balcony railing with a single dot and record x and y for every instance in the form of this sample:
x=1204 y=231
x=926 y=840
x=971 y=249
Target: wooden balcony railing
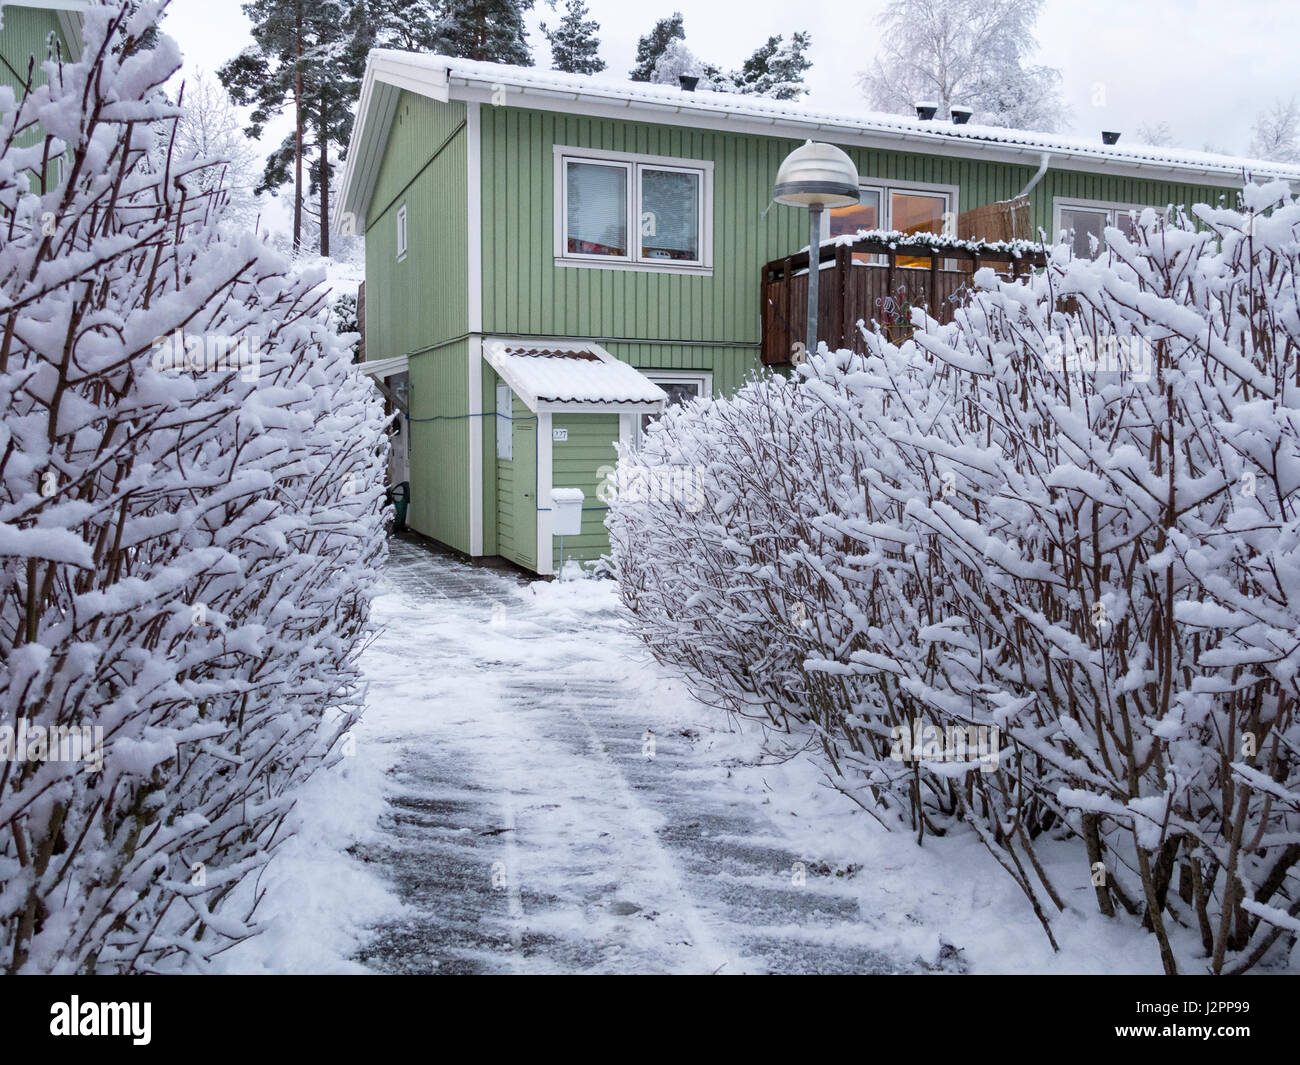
x=877 y=278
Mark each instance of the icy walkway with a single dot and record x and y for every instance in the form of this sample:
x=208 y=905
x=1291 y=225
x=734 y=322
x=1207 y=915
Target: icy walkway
x=528 y=827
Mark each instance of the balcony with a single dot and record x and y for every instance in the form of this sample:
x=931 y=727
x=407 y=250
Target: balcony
x=877 y=278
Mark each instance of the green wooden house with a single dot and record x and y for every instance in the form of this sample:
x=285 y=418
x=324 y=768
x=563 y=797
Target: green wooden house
x=26 y=29
x=526 y=229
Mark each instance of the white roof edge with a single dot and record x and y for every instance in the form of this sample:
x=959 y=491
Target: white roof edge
x=443 y=78
x=385 y=367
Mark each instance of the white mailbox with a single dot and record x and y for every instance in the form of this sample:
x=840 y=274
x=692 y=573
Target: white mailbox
x=566 y=508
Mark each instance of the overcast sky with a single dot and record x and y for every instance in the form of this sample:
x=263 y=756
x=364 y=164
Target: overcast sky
x=1205 y=68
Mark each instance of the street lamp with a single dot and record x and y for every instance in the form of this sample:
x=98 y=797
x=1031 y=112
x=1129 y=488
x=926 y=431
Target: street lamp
x=816 y=176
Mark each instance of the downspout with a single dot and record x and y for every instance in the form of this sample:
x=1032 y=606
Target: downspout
x=1043 y=160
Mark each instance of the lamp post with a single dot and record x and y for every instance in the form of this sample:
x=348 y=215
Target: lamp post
x=816 y=176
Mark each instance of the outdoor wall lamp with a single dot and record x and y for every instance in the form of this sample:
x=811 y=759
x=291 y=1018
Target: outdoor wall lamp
x=816 y=176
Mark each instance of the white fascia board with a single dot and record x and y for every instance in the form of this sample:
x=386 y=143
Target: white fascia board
x=381 y=89
x=72 y=26
x=563 y=407
x=1063 y=158
x=473 y=157
x=385 y=367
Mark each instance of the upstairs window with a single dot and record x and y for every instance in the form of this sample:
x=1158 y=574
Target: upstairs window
x=638 y=212
x=401 y=233
x=906 y=209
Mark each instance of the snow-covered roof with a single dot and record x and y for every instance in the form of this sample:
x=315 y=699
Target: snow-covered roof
x=443 y=78
x=564 y=374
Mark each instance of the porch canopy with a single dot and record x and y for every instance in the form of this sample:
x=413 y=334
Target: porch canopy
x=574 y=376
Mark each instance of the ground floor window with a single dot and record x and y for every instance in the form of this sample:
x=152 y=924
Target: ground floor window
x=681 y=386
x=1080 y=222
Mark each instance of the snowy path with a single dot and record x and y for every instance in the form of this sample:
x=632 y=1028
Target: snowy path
x=528 y=831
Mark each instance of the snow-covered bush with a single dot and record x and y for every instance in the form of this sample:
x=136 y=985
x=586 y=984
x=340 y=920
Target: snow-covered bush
x=1064 y=528
x=190 y=527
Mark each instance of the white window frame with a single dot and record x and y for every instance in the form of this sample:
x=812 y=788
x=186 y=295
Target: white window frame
x=634 y=165
x=885 y=187
x=703 y=378
x=401 y=233
x=1111 y=207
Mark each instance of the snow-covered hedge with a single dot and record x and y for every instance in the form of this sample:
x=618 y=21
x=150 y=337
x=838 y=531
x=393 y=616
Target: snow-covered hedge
x=1036 y=572
x=190 y=528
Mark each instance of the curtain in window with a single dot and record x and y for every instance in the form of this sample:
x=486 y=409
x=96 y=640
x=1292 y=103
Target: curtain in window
x=670 y=215
x=597 y=209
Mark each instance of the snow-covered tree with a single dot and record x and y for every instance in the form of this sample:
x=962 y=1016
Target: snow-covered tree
x=776 y=69
x=1067 y=523
x=968 y=52
x=209 y=130
x=1277 y=132
x=575 y=48
x=676 y=61
x=190 y=529
x=1156 y=134
x=491 y=31
x=652 y=46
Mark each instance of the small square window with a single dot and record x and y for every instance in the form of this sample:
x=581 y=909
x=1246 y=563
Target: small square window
x=401 y=233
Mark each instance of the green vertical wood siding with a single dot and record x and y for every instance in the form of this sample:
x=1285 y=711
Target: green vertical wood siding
x=440 y=505
x=24 y=35
x=526 y=293
x=576 y=463
x=423 y=300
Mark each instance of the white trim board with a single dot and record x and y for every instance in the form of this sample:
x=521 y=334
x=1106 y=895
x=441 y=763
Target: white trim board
x=545 y=519
x=474 y=313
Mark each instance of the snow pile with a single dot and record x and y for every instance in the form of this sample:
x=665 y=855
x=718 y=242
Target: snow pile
x=1034 y=575
x=190 y=528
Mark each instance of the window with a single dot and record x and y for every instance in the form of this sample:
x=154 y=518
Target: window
x=401 y=233
x=909 y=209
x=634 y=212
x=682 y=387
x=505 y=411
x=595 y=208
x=1087 y=219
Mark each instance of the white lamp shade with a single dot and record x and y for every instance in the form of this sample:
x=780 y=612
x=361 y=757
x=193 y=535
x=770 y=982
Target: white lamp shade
x=817 y=175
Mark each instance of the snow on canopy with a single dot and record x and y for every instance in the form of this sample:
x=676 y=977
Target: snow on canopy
x=544 y=371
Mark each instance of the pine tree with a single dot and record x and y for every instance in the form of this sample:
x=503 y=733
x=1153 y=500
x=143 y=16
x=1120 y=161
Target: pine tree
x=309 y=56
x=652 y=46
x=574 y=44
x=491 y=31
x=776 y=69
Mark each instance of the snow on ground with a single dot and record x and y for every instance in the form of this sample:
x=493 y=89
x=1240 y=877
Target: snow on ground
x=504 y=814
